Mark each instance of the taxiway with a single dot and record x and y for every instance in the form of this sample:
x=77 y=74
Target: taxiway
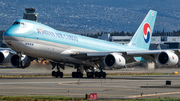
x=113 y=87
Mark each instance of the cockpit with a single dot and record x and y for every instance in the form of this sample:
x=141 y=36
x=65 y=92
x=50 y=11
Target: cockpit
x=16 y=23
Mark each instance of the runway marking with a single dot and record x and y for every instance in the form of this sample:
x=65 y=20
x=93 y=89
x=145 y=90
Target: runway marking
x=42 y=82
x=26 y=83
x=147 y=95
x=64 y=88
x=59 y=93
x=24 y=93
x=67 y=82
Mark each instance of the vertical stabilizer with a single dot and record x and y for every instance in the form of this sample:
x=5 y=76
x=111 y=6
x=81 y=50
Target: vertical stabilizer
x=142 y=37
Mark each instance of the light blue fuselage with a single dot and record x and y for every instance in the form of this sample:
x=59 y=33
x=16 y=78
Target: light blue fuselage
x=38 y=40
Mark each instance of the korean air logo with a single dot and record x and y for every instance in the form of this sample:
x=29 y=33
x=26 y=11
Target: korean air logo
x=173 y=57
x=41 y=30
x=146 y=32
x=119 y=60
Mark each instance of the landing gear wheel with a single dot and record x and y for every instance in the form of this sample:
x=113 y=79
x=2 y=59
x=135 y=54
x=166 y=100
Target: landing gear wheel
x=77 y=74
x=61 y=75
x=90 y=75
x=104 y=74
x=73 y=74
x=53 y=73
x=96 y=74
x=80 y=75
x=57 y=74
x=99 y=74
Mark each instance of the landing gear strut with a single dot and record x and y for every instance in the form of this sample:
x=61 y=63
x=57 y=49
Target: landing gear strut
x=79 y=73
x=90 y=74
x=58 y=73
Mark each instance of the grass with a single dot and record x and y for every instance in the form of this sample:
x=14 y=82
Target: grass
x=156 y=99
x=38 y=98
x=62 y=98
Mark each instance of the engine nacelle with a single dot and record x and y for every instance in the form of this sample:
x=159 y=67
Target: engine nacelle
x=114 y=60
x=4 y=57
x=20 y=62
x=167 y=58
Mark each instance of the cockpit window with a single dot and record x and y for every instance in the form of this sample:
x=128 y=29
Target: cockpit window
x=15 y=23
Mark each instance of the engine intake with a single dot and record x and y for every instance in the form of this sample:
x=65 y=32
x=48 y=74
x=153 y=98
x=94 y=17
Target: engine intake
x=4 y=57
x=167 y=58
x=1 y=58
x=20 y=62
x=114 y=60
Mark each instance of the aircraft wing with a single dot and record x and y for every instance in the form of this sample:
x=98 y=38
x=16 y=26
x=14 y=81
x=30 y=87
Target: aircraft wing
x=163 y=56
x=85 y=55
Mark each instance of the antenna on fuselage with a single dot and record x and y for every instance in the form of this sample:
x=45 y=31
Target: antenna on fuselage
x=30 y=14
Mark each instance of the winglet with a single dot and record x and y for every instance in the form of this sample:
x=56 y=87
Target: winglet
x=142 y=37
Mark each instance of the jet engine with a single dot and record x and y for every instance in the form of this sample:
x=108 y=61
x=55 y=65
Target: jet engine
x=20 y=62
x=4 y=57
x=114 y=60
x=167 y=58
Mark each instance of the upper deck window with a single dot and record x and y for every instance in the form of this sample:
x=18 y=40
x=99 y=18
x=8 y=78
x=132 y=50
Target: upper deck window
x=15 y=23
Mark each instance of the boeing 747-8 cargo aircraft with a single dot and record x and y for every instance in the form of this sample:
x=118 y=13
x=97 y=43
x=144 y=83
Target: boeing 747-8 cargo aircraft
x=32 y=40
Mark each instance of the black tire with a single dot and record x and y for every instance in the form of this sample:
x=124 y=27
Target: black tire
x=100 y=74
x=104 y=74
x=81 y=75
x=96 y=74
x=56 y=75
x=92 y=75
x=73 y=74
x=61 y=74
x=53 y=73
x=88 y=76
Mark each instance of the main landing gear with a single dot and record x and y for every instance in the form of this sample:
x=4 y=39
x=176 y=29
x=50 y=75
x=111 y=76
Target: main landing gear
x=79 y=73
x=100 y=74
x=97 y=74
x=58 y=73
x=80 y=69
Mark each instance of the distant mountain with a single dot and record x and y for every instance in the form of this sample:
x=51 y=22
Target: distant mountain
x=91 y=16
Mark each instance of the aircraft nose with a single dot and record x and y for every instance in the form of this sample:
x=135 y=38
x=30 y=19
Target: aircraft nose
x=8 y=34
